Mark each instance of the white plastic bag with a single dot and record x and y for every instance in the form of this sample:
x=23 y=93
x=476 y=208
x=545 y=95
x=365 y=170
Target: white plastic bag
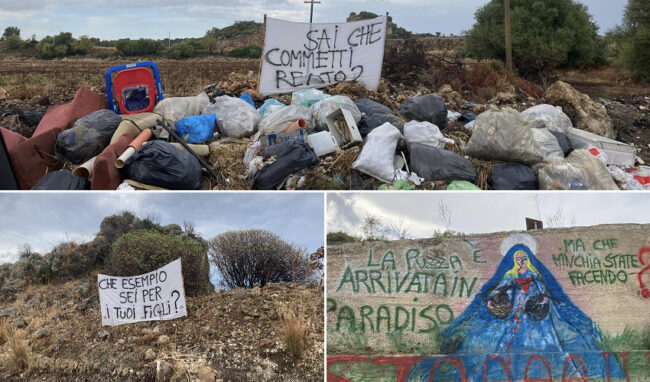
x=503 y=134
x=239 y=118
x=547 y=145
x=376 y=158
x=278 y=120
x=560 y=175
x=597 y=176
x=175 y=108
x=625 y=179
x=325 y=107
x=426 y=133
x=551 y=117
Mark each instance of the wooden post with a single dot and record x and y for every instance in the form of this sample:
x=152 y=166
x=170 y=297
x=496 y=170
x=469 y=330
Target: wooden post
x=508 y=37
x=262 y=58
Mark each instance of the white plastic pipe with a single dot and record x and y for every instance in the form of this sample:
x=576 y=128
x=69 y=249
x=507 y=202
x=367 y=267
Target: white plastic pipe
x=125 y=155
x=85 y=170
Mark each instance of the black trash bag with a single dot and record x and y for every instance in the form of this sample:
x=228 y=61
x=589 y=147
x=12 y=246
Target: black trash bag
x=291 y=156
x=62 y=180
x=158 y=163
x=565 y=143
x=433 y=164
x=88 y=137
x=425 y=108
x=513 y=176
x=466 y=117
x=374 y=115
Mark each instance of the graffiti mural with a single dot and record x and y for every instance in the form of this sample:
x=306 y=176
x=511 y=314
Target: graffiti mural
x=491 y=308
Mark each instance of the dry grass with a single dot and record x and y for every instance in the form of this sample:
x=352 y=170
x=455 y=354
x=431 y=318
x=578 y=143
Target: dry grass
x=295 y=335
x=18 y=355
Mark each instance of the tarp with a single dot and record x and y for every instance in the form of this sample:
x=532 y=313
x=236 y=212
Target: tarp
x=153 y=296
x=85 y=102
x=34 y=158
x=302 y=56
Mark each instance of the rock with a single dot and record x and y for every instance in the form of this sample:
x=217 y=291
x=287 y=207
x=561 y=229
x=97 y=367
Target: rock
x=163 y=371
x=156 y=330
x=149 y=355
x=452 y=97
x=249 y=312
x=163 y=339
x=44 y=332
x=6 y=312
x=44 y=101
x=207 y=331
x=272 y=314
x=84 y=288
x=172 y=229
x=20 y=323
x=3 y=94
x=103 y=334
x=502 y=98
x=87 y=303
x=585 y=113
x=206 y=375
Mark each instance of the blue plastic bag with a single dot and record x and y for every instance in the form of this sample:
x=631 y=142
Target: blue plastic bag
x=247 y=97
x=197 y=128
x=269 y=106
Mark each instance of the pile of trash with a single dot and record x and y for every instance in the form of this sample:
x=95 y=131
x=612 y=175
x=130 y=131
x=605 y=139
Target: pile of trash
x=223 y=139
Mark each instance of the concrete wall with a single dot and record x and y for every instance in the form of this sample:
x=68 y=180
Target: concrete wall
x=389 y=303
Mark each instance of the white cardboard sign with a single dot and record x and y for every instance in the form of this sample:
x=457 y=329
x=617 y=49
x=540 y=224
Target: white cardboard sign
x=153 y=296
x=302 y=56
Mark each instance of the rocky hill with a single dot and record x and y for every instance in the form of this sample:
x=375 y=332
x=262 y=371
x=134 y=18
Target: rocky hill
x=50 y=324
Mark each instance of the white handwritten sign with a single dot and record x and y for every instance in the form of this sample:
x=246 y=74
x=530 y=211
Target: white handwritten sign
x=154 y=296
x=302 y=56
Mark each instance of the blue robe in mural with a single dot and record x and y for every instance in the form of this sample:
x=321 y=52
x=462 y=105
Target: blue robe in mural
x=541 y=320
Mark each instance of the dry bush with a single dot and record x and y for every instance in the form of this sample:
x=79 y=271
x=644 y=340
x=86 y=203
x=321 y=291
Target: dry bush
x=295 y=335
x=18 y=355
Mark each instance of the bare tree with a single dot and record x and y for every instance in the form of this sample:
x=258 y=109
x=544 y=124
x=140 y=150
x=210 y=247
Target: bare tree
x=400 y=229
x=444 y=212
x=25 y=250
x=372 y=228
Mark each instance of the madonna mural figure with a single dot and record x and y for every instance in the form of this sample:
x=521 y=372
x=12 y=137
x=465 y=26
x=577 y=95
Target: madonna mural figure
x=520 y=312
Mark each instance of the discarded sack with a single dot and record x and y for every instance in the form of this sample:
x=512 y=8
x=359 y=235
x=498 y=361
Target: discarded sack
x=322 y=109
x=269 y=106
x=429 y=108
x=278 y=120
x=85 y=102
x=462 y=185
x=308 y=97
x=196 y=128
x=426 y=133
x=549 y=116
x=87 y=137
x=291 y=156
x=34 y=158
x=175 y=108
x=62 y=180
x=435 y=164
x=160 y=164
x=376 y=158
x=513 y=176
x=560 y=175
x=374 y=115
x=105 y=175
x=239 y=118
x=503 y=134
x=547 y=145
x=597 y=176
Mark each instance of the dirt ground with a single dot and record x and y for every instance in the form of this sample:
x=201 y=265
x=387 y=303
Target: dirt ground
x=235 y=335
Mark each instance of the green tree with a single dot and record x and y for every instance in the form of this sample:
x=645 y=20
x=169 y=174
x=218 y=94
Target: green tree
x=633 y=38
x=545 y=33
x=11 y=31
x=13 y=43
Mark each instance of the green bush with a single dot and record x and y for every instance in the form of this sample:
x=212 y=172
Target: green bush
x=63 y=45
x=13 y=43
x=140 y=47
x=11 y=31
x=185 y=49
x=340 y=237
x=631 y=41
x=143 y=251
x=545 y=33
x=251 y=51
x=238 y=29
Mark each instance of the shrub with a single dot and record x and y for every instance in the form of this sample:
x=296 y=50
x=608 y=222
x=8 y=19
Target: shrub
x=140 y=47
x=114 y=226
x=340 y=237
x=143 y=251
x=63 y=45
x=11 y=31
x=247 y=258
x=544 y=33
x=251 y=51
x=13 y=43
x=632 y=40
x=183 y=49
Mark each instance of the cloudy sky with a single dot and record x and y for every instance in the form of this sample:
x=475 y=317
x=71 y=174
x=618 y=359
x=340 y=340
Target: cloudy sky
x=484 y=212
x=46 y=219
x=113 y=19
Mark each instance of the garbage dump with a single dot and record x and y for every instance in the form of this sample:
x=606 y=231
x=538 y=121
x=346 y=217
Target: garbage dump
x=340 y=137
